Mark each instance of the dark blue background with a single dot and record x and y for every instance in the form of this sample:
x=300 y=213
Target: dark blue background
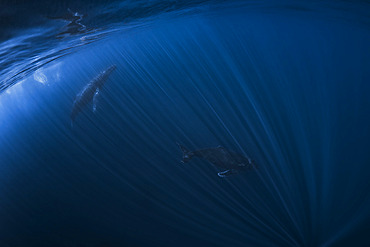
x=285 y=86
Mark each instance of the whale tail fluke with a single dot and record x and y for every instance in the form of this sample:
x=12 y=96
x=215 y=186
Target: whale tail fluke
x=186 y=153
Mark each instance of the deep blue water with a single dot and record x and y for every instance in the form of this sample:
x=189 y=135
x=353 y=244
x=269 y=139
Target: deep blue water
x=285 y=84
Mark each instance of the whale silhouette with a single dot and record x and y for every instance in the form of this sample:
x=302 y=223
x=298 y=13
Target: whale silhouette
x=231 y=162
x=90 y=93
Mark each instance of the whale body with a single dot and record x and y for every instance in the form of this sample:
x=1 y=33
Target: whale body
x=231 y=162
x=90 y=92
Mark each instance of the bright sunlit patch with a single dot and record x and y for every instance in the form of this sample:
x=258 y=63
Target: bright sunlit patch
x=56 y=71
x=50 y=74
x=40 y=76
x=16 y=90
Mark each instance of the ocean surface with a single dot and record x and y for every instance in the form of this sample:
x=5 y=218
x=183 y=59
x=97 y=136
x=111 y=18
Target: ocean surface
x=283 y=83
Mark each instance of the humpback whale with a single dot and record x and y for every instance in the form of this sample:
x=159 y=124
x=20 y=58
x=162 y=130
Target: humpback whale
x=90 y=92
x=231 y=162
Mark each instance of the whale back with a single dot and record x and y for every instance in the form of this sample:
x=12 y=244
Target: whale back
x=87 y=93
x=103 y=76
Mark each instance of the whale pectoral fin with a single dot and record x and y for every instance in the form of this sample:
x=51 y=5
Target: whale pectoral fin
x=226 y=173
x=95 y=99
